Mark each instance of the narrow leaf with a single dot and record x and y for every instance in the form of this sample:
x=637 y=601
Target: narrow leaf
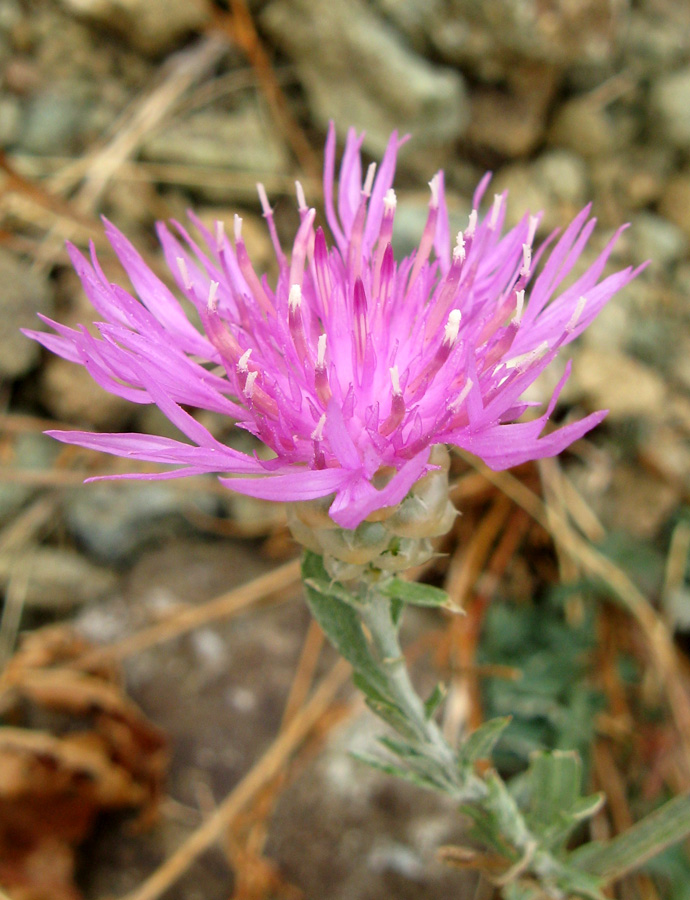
x=415 y=593
x=630 y=850
x=435 y=699
x=480 y=743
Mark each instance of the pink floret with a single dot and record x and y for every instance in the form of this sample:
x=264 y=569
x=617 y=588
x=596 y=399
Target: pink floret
x=352 y=361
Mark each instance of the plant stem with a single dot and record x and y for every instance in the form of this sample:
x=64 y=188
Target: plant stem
x=376 y=615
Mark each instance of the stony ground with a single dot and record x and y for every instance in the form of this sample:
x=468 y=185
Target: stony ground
x=141 y=109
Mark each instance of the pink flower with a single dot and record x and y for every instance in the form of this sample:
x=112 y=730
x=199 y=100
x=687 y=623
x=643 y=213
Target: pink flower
x=352 y=362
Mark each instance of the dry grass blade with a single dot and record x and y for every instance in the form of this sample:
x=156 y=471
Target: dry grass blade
x=660 y=644
x=221 y=607
x=265 y=769
x=306 y=669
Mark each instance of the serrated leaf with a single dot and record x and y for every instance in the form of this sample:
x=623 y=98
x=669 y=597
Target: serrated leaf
x=480 y=743
x=415 y=593
x=434 y=700
x=341 y=625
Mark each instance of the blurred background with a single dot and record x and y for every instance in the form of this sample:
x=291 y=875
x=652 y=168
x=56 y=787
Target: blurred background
x=142 y=109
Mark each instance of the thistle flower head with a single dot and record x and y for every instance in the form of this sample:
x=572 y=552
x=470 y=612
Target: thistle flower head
x=353 y=365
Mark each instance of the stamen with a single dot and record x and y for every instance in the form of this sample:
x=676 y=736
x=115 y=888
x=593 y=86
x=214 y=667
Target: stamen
x=184 y=273
x=220 y=234
x=525 y=360
x=575 y=318
x=249 y=384
x=321 y=352
x=243 y=364
x=435 y=185
x=301 y=199
x=519 y=306
x=263 y=200
x=397 y=412
x=212 y=301
x=459 y=252
x=369 y=180
x=395 y=379
x=238 y=227
x=472 y=226
x=526 y=260
x=455 y=404
x=295 y=298
x=390 y=201
x=452 y=328
x=323 y=390
x=533 y=225
x=317 y=433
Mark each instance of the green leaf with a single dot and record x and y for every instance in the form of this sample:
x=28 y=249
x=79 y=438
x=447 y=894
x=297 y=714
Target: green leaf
x=383 y=765
x=481 y=742
x=555 y=778
x=632 y=849
x=434 y=700
x=415 y=593
x=341 y=624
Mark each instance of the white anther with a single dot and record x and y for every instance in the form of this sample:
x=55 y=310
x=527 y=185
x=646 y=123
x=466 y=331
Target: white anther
x=532 y=230
x=212 y=301
x=525 y=360
x=317 y=433
x=495 y=210
x=238 y=227
x=526 y=259
x=243 y=364
x=369 y=180
x=459 y=249
x=295 y=297
x=390 y=201
x=519 y=306
x=263 y=199
x=321 y=351
x=472 y=224
x=575 y=318
x=460 y=399
x=452 y=327
x=395 y=380
x=249 y=384
x=435 y=185
x=220 y=234
x=301 y=199
x=184 y=273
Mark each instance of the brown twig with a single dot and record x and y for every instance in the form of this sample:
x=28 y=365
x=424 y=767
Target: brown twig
x=240 y=29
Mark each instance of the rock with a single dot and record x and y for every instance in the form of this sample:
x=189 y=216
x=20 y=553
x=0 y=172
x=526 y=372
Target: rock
x=57 y=579
x=555 y=184
x=358 y=71
x=71 y=395
x=669 y=103
x=675 y=201
x=114 y=521
x=24 y=294
x=10 y=120
x=654 y=237
x=512 y=123
x=26 y=451
x=55 y=120
x=615 y=381
x=152 y=26
x=237 y=140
